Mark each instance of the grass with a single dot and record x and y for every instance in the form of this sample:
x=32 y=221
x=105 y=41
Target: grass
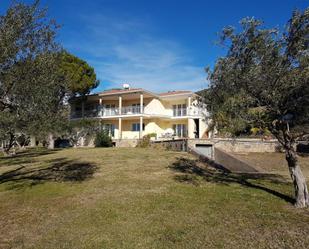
x=141 y=198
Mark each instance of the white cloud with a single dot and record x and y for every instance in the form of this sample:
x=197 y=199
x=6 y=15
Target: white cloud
x=126 y=51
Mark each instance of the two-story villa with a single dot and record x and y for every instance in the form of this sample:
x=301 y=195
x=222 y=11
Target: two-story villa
x=132 y=113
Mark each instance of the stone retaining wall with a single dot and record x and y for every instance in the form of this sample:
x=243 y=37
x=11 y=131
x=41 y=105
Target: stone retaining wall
x=238 y=145
x=125 y=142
x=247 y=145
x=176 y=144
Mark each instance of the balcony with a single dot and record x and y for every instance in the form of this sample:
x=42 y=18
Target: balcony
x=190 y=111
x=134 y=110
x=107 y=112
x=129 y=110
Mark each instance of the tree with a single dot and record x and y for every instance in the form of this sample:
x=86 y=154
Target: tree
x=103 y=139
x=79 y=76
x=264 y=82
x=77 y=130
x=31 y=92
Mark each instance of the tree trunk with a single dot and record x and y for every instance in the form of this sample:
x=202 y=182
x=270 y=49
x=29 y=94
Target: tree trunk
x=51 y=142
x=32 y=141
x=299 y=181
x=10 y=145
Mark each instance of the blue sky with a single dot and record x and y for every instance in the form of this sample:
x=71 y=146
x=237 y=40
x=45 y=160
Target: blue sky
x=159 y=45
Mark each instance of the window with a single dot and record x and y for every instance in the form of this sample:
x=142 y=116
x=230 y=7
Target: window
x=180 y=110
x=110 y=128
x=180 y=130
x=108 y=106
x=184 y=110
x=136 y=126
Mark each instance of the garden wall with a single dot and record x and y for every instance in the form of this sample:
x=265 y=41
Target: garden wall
x=238 y=145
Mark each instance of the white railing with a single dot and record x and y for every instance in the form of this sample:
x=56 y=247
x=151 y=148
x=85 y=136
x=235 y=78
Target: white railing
x=132 y=110
x=109 y=112
x=190 y=111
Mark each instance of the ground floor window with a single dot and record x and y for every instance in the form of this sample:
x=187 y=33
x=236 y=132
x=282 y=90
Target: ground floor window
x=110 y=128
x=180 y=130
x=136 y=127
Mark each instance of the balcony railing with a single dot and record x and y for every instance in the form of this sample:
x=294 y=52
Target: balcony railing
x=190 y=111
x=108 y=112
x=128 y=110
x=132 y=110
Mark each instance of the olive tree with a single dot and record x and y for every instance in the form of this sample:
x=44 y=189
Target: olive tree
x=264 y=81
x=31 y=92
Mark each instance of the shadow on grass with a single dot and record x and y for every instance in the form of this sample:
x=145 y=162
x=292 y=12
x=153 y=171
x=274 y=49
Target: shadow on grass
x=193 y=170
x=58 y=170
x=25 y=156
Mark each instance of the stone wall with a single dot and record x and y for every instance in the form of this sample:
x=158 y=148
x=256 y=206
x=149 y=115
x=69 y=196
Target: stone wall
x=175 y=144
x=238 y=145
x=247 y=145
x=125 y=142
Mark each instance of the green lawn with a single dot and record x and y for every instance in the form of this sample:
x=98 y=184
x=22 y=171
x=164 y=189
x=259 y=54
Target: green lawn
x=141 y=198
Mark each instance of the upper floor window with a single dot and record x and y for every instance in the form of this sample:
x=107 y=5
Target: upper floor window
x=180 y=110
x=109 y=106
x=180 y=130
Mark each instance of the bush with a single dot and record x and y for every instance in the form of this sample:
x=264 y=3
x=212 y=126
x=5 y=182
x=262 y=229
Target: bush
x=259 y=132
x=103 y=139
x=144 y=142
x=152 y=134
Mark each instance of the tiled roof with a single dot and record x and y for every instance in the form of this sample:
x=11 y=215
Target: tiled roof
x=132 y=90
x=116 y=91
x=174 y=93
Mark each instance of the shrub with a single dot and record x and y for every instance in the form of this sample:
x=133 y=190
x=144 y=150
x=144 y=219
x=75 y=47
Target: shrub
x=144 y=142
x=152 y=134
x=103 y=139
x=259 y=131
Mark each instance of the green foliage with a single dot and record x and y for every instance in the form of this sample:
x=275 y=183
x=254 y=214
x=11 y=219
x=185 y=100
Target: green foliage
x=31 y=92
x=77 y=129
x=153 y=134
x=144 y=142
x=263 y=80
x=255 y=131
x=80 y=77
x=103 y=139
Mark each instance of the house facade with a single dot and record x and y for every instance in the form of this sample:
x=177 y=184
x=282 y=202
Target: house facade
x=129 y=114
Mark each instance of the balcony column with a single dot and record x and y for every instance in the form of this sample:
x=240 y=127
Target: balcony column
x=83 y=109
x=140 y=127
x=119 y=128
x=100 y=107
x=120 y=104
x=142 y=103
